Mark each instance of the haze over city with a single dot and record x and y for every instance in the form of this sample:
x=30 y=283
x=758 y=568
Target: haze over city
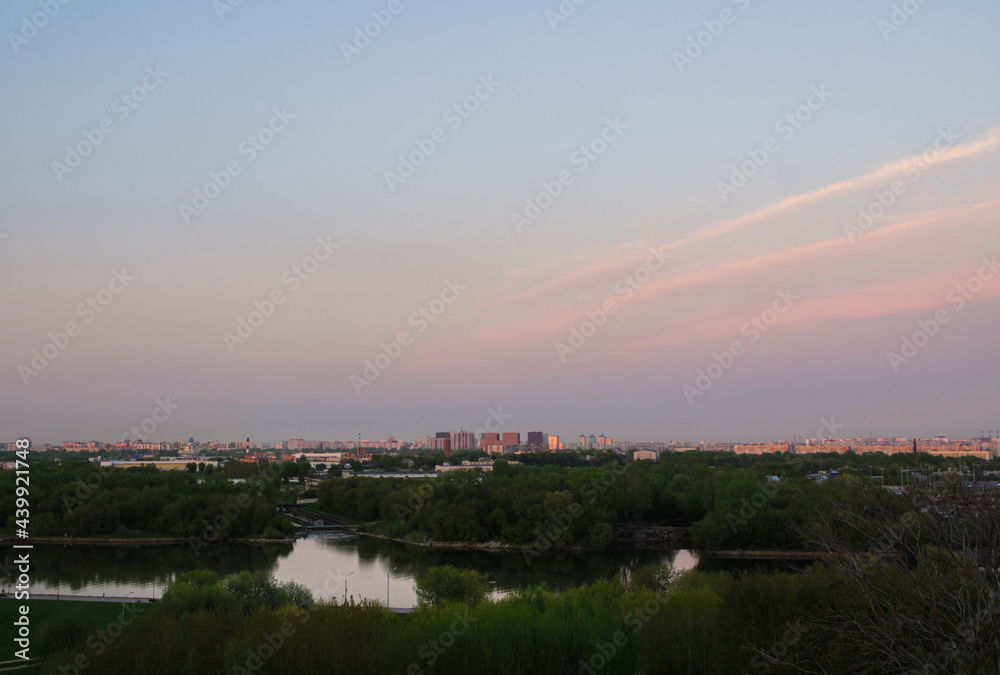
x=705 y=221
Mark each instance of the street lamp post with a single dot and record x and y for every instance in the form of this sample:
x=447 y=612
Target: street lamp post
x=387 y=586
x=345 y=586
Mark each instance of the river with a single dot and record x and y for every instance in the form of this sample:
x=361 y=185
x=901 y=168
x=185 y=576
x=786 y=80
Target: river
x=367 y=568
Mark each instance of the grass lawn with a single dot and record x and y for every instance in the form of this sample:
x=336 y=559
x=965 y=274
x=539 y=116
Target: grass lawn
x=42 y=611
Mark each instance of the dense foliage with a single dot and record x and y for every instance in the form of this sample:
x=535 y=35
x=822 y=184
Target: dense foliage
x=450 y=584
x=729 y=502
x=700 y=623
x=83 y=500
x=659 y=623
x=910 y=585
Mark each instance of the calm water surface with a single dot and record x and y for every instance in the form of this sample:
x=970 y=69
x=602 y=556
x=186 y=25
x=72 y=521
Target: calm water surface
x=321 y=563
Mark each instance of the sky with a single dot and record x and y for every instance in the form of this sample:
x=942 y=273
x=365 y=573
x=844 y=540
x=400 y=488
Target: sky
x=655 y=221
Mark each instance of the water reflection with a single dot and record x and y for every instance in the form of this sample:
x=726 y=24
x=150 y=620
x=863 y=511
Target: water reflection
x=366 y=568
x=115 y=570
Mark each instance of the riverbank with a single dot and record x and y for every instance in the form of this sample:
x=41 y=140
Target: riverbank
x=135 y=541
x=627 y=536
x=785 y=555
x=766 y=555
x=488 y=546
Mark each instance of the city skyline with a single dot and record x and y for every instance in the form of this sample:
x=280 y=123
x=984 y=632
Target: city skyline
x=829 y=435
x=727 y=221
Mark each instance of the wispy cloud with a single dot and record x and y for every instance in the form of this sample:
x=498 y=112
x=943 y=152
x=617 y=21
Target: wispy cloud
x=581 y=273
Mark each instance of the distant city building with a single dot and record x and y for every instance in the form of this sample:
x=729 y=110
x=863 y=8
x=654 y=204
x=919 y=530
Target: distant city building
x=511 y=438
x=323 y=457
x=554 y=443
x=583 y=441
x=161 y=464
x=463 y=440
x=479 y=465
x=492 y=447
x=300 y=444
x=826 y=447
x=591 y=442
x=536 y=438
x=759 y=448
x=646 y=454
x=442 y=441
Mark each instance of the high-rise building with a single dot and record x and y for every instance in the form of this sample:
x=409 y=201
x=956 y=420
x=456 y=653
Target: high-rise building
x=602 y=441
x=553 y=442
x=442 y=441
x=591 y=442
x=583 y=441
x=463 y=440
x=486 y=436
x=511 y=438
x=536 y=438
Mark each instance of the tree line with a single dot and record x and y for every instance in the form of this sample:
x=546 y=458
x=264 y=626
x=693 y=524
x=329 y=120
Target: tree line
x=728 y=502
x=85 y=500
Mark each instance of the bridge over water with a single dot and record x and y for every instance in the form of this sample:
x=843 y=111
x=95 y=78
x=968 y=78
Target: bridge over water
x=308 y=518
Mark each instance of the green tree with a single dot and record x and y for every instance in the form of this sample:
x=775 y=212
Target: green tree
x=450 y=584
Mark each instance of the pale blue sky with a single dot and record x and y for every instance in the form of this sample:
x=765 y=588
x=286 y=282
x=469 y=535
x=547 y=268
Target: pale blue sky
x=323 y=175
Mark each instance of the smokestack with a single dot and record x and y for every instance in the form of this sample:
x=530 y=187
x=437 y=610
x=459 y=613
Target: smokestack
x=447 y=448
x=914 y=453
